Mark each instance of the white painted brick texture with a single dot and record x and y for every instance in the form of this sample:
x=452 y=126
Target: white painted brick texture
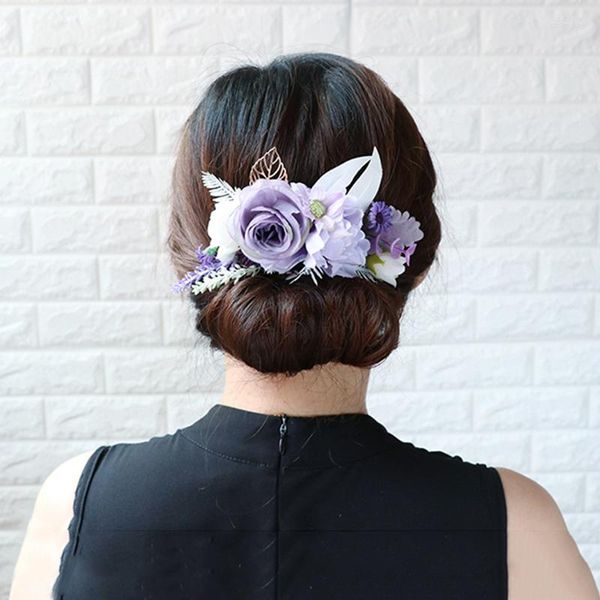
x=500 y=353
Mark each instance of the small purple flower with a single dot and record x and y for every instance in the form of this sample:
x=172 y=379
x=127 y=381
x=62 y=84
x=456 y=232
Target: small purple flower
x=207 y=262
x=397 y=239
x=270 y=226
x=379 y=217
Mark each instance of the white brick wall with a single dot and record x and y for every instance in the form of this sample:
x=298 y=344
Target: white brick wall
x=500 y=361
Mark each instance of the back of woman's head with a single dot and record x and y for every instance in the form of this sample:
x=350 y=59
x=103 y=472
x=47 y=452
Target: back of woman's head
x=319 y=110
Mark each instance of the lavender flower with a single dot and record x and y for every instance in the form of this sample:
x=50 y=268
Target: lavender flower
x=207 y=262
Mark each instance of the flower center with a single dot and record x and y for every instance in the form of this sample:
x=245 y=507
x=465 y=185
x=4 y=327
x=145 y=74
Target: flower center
x=317 y=208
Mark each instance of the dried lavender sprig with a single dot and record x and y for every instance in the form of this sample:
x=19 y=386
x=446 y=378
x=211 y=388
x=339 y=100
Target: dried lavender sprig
x=207 y=262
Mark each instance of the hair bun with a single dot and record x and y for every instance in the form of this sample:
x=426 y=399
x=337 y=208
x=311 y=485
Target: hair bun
x=276 y=327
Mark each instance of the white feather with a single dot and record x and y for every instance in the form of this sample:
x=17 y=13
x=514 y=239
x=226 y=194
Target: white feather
x=218 y=188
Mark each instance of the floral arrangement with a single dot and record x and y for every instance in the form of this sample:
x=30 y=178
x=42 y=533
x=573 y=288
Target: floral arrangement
x=334 y=228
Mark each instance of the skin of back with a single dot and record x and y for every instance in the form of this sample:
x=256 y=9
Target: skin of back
x=544 y=562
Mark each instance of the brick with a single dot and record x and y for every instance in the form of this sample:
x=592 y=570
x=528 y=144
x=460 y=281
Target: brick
x=142 y=276
x=195 y=29
x=487 y=2
x=151 y=80
x=569 y=451
x=571 y=176
x=399 y=72
x=160 y=371
x=529 y=408
x=568 y=362
x=16 y=506
x=570 y=269
x=30 y=462
x=475 y=176
x=567 y=489
x=592 y=502
x=169 y=126
x=132 y=180
x=448 y=128
x=15 y=234
x=184 y=410
x=508 y=450
x=573 y=79
x=542 y=224
x=584 y=528
x=93 y=229
x=86 y=30
x=43 y=81
x=39 y=277
x=527 y=316
x=397 y=372
x=50 y=372
x=536 y=31
x=98 y=324
x=21 y=418
x=469 y=270
x=112 y=417
x=591 y=554
x=434 y=411
x=91 y=131
x=179 y=322
x=319 y=26
x=418 y=31
x=46 y=181
x=9 y=31
x=473 y=365
x=12 y=132
x=481 y=80
x=459 y=224
x=431 y=318
x=595 y=408
x=18 y=325
x=10 y=544
x=541 y=128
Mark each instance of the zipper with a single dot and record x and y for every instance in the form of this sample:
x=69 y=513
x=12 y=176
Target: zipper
x=282 y=433
x=282 y=440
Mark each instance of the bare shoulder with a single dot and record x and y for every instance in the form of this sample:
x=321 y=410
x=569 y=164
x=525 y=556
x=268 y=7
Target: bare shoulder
x=543 y=559
x=47 y=532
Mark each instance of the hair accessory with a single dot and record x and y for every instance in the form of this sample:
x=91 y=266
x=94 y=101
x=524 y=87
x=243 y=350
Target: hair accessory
x=334 y=228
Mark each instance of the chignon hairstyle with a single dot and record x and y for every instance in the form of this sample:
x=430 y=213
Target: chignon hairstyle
x=319 y=110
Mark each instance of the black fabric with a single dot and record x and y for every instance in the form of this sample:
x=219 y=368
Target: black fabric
x=237 y=506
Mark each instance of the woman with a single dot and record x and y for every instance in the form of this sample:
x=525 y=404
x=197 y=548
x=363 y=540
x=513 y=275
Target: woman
x=302 y=219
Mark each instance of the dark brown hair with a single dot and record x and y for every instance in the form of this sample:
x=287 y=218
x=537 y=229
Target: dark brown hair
x=319 y=110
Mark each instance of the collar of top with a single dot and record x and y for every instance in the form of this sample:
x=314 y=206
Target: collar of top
x=289 y=442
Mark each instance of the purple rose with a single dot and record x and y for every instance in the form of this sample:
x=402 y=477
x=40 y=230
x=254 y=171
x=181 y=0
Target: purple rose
x=270 y=226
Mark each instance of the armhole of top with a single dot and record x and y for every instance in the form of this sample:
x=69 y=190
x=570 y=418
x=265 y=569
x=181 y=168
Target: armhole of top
x=496 y=500
x=83 y=484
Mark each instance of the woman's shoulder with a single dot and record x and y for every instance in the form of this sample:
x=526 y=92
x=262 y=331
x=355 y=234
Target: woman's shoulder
x=47 y=531
x=543 y=559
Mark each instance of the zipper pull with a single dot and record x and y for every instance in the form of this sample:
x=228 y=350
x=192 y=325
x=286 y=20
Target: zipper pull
x=282 y=433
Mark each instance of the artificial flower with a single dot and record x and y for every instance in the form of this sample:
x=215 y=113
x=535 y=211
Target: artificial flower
x=386 y=267
x=218 y=231
x=336 y=243
x=269 y=225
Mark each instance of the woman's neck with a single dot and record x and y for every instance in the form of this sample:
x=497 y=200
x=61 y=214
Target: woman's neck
x=328 y=389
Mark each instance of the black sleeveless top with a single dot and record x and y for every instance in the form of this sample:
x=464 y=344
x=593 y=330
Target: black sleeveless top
x=243 y=505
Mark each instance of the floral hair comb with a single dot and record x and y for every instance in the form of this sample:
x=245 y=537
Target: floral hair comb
x=334 y=228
